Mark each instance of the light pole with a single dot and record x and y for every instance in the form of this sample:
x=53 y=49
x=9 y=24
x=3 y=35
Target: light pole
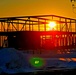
x=72 y=0
x=73 y=6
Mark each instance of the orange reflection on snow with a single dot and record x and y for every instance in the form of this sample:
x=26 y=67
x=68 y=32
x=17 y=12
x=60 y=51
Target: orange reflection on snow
x=62 y=59
x=73 y=59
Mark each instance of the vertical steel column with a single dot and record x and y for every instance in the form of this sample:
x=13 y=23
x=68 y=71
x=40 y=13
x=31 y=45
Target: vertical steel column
x=70 y=27
x=1 y=26
x=17 y=25
x=66 y=25
x=60 y=30
x=38 y=25
x=8 y=25
x=32 y=25
x=75 y=25
x=63 y=36
x=60 y=24
x=45 y=25
x=29 y=24
x=66 y=40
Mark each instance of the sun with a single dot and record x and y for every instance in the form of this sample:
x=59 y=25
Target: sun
x=52 y=25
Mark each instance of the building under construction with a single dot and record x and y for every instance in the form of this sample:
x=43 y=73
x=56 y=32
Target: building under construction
x=33 y=33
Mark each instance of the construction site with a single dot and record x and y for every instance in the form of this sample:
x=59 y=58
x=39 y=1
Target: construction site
x=36 y=34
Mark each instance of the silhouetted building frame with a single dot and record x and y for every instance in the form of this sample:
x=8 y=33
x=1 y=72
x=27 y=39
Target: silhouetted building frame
x=31 y=33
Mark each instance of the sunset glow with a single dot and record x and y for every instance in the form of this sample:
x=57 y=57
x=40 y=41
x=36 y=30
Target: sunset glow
x=52 y=25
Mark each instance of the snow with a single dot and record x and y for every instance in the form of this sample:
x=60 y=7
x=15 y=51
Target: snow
x=56 y=63
x=15 y=61
x=12 y=61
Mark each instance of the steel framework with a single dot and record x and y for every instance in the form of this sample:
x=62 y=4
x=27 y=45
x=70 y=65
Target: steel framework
x=62 y=37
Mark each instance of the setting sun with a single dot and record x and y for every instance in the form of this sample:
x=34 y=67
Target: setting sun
x=52 y=25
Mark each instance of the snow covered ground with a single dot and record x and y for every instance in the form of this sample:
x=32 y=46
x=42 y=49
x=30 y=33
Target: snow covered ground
x=14 y=61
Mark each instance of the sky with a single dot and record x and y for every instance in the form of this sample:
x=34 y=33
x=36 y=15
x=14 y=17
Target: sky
x=36 y=7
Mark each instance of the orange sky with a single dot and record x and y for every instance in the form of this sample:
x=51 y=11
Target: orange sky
x=36 y=7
